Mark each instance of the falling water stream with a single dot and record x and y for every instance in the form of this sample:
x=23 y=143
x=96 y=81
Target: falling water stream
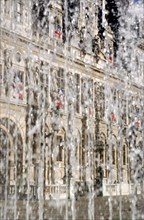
x=72 y=109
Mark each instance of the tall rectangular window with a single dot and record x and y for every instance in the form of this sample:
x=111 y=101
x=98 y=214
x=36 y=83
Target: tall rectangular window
x=124 y=110
x=19 y=11
x=77 y=93
x=124 y=155
x=60 y=149
x=60 y=79
x=113 y=156
x=102 y=101
x=6 y=6
x=61 y=87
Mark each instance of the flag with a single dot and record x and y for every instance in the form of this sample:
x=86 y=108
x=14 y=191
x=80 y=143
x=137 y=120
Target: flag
x=59 y=104
x=110 y=55
x=113 y=117
x=57 y=33
x=137 y=121
x=20 y=95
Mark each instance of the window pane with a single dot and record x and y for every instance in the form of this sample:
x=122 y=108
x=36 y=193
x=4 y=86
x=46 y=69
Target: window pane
x=77 y=93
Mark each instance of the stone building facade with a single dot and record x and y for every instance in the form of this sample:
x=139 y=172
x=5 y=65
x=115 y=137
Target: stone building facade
x=66 y=116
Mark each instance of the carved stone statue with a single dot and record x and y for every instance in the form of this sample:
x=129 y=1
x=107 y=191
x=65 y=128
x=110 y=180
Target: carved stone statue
x=7 y=69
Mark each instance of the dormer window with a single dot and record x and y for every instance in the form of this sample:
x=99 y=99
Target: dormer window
x=19 y=9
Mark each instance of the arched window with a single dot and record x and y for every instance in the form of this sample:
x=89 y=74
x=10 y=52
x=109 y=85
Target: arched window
x=11 y=150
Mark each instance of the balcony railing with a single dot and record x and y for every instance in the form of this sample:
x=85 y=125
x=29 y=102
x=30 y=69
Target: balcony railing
x=21 y=193
x=55 y=189
x=49 y=190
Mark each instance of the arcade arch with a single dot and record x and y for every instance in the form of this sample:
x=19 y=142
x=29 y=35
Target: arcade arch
x=11 y=151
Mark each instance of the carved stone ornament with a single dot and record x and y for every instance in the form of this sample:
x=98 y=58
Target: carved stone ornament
x=18 y=57
x=8 y=59
x=96 y=45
